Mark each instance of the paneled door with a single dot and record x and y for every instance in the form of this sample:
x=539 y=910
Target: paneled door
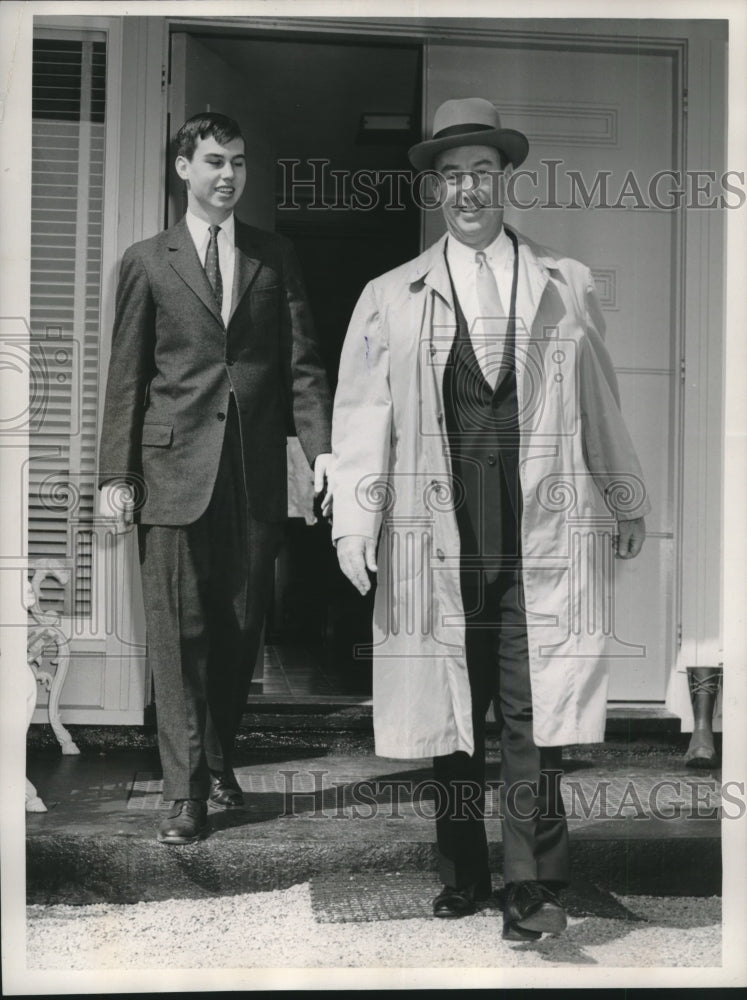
x=607 y=118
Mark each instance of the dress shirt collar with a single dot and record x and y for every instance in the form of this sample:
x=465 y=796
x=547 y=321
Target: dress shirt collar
x=199 y=229
x=498 y=253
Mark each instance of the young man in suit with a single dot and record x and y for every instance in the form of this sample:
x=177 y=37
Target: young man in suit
x=213 y=357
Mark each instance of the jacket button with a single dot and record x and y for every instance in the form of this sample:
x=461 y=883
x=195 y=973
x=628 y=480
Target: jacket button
x=491 y=459
x=221 y=416
x=440 y=554
x=230 y=362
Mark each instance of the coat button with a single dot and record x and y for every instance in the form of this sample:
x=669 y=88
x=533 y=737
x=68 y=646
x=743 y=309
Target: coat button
x=491 y=459
x=221 y=416
x=440 y=554
x=230 y=362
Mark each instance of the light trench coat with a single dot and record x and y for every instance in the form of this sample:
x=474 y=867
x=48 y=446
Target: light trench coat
x=391 y=480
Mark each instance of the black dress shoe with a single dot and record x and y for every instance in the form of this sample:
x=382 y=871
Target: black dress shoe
x=452 y=903
x=512 y=932
x=225 y=791
x=534 y=907
x=186 y=823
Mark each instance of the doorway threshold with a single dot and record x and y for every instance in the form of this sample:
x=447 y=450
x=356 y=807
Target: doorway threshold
x=291 y=703
x=305 y=673
x=641 y=716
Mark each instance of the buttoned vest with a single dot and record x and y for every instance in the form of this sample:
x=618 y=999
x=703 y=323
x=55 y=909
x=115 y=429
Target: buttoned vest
x=483 y=431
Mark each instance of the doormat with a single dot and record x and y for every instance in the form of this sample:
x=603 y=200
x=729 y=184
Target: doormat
x=364 y=897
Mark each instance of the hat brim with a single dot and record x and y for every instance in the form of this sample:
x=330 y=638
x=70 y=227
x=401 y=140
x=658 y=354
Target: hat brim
x=514 y=145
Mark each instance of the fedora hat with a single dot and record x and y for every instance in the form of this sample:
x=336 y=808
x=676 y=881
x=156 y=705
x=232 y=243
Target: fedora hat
x=469 y=121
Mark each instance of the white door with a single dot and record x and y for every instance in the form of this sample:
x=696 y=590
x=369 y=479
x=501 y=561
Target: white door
x=597 y=112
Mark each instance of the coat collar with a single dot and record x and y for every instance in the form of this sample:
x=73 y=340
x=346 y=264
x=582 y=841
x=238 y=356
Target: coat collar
x=535 y=267
x=184 y=260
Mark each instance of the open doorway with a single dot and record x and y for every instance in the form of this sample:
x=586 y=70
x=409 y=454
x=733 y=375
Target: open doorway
x=328 y=124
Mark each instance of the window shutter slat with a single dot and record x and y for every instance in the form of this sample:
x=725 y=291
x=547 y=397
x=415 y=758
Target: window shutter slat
x=68 y=101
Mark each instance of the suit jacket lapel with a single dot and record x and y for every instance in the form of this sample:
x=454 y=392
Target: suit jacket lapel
x=184 y=260
x=246 y=265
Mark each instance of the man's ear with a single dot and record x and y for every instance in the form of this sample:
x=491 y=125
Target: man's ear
x=508 y=170
x=182 y=167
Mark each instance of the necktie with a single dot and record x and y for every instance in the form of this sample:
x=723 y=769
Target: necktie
x=212 y=266
x=490 y=331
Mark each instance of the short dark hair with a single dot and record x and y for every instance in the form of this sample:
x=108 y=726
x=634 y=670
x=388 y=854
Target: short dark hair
x=208 y=123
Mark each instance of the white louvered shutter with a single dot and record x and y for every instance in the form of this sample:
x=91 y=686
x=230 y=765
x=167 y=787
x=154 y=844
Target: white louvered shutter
x=68 y=95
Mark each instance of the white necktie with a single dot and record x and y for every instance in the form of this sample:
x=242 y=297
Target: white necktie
x=489 y=332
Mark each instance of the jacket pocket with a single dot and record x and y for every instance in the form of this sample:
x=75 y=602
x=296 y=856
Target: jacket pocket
x=157 y=435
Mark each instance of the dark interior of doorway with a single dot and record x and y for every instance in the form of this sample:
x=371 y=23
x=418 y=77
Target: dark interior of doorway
x=319 y=98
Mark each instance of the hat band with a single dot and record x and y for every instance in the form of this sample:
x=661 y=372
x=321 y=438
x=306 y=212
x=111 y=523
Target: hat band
x=462 y=130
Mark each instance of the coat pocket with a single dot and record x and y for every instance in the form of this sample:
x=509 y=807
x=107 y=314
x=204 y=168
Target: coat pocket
x=157 y=435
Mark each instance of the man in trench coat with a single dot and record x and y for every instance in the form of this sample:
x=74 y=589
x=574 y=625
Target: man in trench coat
x=213 y=359
x=477 y=438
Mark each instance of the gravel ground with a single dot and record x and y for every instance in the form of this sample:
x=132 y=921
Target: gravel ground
x=278 y=930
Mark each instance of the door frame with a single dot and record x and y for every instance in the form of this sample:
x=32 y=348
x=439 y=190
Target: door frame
x=698 y=52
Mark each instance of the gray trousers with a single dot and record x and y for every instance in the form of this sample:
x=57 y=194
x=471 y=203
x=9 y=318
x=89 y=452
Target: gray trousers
x=535 y=833
x=206 y=587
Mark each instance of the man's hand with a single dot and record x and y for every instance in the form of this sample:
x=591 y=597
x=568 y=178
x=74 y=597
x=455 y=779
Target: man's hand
x=321 y=480
x=630 y=537
x=356 y=554
x=116 y=502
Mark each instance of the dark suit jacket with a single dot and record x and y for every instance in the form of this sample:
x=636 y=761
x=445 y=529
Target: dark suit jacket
x=174 y=365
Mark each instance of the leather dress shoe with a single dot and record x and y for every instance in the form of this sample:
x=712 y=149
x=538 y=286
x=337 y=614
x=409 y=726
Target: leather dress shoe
x=531 y=907
x=225 y=791
x=452 y=903
x=186 y=823
x=512 y=932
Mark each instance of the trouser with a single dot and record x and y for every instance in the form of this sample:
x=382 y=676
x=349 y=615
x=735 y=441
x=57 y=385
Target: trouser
x=535 y=833
x=206 y=587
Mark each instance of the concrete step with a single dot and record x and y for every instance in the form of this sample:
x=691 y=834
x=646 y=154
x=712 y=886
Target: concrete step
x=631 y=722
x=317 y=801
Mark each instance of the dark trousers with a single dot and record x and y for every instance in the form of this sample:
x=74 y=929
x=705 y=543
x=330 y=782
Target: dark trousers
x=206 y=587
x=535 y=833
